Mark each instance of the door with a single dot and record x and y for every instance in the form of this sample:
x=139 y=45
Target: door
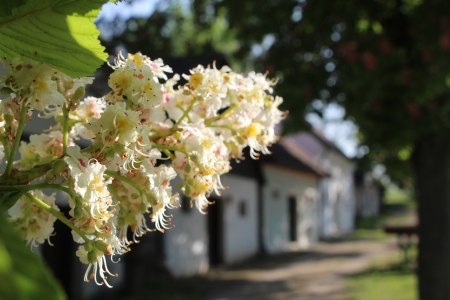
x=292 y=217
x=215 y=232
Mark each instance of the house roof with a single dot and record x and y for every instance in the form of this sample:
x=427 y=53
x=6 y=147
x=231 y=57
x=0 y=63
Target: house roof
x=329 y=144
x=313 y=143
x=288 y=154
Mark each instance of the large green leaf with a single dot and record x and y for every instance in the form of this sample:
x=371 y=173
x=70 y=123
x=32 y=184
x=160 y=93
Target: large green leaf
x=23 y=275
x=59 y=32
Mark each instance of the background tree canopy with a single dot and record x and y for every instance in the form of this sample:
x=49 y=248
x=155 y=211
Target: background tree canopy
x=386 y=62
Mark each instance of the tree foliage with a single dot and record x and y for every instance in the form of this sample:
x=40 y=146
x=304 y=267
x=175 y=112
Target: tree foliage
x=386 y=62
x=172 y=32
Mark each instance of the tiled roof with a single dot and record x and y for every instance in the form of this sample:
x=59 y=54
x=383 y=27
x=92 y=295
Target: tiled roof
x=289 y=155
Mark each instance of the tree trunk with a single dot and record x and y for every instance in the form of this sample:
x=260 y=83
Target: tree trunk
x=432 y=166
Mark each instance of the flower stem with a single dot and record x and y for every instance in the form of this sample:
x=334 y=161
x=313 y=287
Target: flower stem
x=175 y=126
x=65 y=128
x=226 y=127
x=223 y=115
x=184 y=115
x=57 y=214
x=39 y=186
x=23 y=114
x=127 y=180
x=170 y=148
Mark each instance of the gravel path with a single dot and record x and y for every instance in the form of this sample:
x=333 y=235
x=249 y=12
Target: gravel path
x=315 y=275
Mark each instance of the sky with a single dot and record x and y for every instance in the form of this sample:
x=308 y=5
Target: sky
x=137 y=8
x=336 y=129
x=342 y=133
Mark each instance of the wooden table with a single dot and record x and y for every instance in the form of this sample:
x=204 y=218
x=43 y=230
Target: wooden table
x=407 y=237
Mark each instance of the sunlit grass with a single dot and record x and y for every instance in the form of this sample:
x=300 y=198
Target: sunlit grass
x=395 y=196
x=398 y=208
x=369 y=229
x=389 y=280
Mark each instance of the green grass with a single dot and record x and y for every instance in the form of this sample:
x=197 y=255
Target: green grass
x=385 y=281
x=369 y=229
x=389 y=279
x=398 y=208
x=398 y=197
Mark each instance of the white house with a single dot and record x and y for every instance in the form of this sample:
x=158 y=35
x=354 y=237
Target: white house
x=290 y=199
x=368 y=194
x=240 y=218
x=338 y=205
x=186 y=245
x=269 y=205
x=226 y=234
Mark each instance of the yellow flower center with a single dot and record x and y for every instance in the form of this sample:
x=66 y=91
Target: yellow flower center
x=40 y=85
x=206 y=143
x=195 y=80
x=137 y=58
x=148 y=89
x=253 y=130
x=97 y=183
x=121 y=123
x=122 y=80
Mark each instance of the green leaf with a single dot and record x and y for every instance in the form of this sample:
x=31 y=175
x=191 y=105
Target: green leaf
x=6 y=7
x=9 y=199
x=23 y=275
x=61 y=33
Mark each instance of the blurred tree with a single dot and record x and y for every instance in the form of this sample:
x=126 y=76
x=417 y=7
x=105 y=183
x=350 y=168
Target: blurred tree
x=386 y=61
x=172 y=31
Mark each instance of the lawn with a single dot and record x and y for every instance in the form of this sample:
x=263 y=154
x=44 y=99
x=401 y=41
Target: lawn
x=384 y=281
x=398 y=208
x=389 y=279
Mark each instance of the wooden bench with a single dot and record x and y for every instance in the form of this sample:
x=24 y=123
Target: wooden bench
x=407 y=236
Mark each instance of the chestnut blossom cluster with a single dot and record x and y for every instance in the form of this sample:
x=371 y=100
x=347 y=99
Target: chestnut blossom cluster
x=149 y=129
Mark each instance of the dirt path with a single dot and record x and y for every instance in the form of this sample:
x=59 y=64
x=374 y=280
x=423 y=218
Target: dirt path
x=315 y=275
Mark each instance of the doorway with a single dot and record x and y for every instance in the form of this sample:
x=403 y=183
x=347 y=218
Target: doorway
x=215 y=231
x=292 y=215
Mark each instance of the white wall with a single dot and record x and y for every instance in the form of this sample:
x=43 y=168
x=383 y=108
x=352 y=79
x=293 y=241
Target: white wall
x=282 y=183
x=186 y=245
x=240 y=231
x=368 y=197
x=345 y=194
x=337 y=195
x=308 y=217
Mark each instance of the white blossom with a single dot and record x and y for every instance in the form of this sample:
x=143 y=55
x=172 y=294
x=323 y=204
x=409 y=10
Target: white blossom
x=35 y=223
x=142 y=134
x=41 y=149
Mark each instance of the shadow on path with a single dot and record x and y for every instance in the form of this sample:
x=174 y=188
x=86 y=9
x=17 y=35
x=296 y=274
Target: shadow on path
x=317 y=274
